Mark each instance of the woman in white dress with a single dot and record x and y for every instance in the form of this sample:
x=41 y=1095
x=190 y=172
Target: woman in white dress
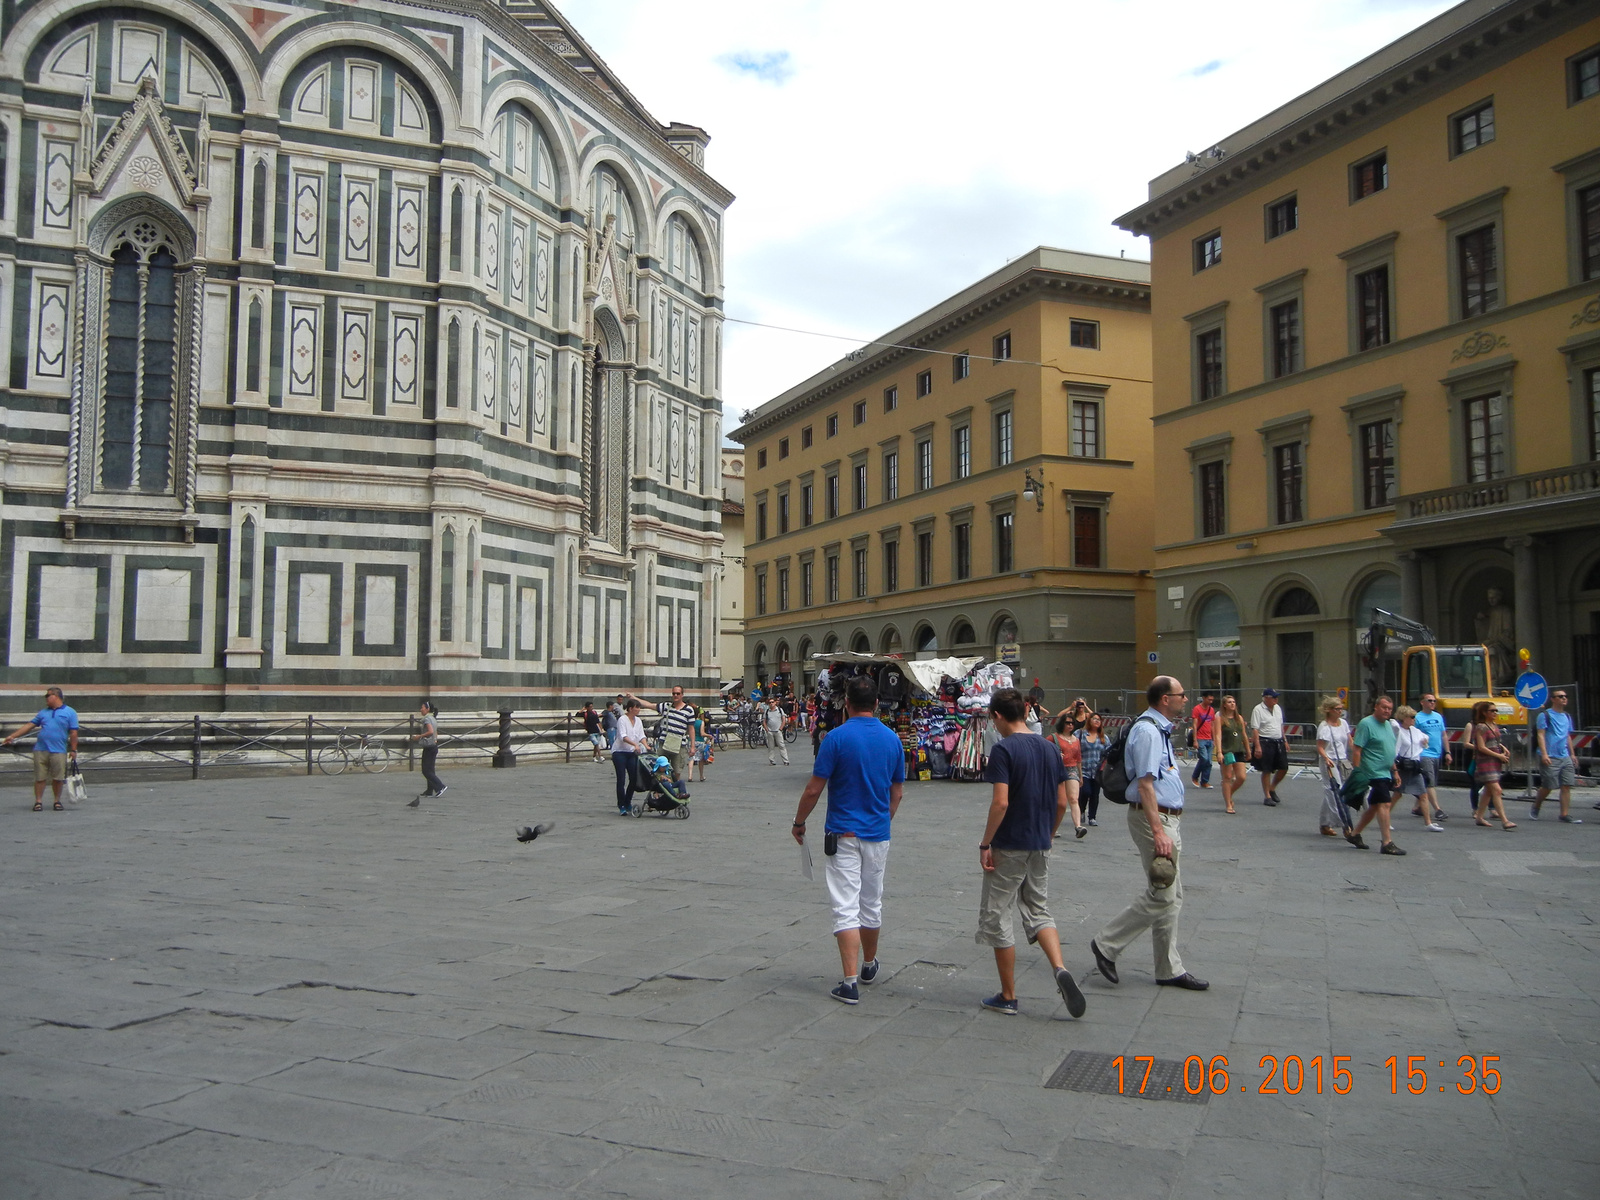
x=1409 y=744
x=1333 y=753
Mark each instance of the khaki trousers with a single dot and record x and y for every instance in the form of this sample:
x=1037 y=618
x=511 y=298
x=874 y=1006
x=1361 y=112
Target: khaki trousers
x=1155 y=910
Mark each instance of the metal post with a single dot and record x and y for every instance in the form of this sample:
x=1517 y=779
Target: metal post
x=566 y=735
x=308 y=744
x=502 y=753
x=411 y=743
x=194 y=765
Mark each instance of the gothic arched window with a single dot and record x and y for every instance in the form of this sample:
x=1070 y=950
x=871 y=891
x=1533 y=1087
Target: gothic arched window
x=144 y=315
x=609 y=198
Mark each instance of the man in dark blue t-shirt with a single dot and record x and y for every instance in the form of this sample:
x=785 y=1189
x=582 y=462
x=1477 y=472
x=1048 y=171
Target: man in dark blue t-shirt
x=1030 y=800
x=863 y=766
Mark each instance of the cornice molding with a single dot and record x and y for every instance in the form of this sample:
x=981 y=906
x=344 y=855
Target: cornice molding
x=1509 y=30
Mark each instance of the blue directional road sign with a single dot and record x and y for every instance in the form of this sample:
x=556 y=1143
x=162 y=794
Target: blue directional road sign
x=1531 y=690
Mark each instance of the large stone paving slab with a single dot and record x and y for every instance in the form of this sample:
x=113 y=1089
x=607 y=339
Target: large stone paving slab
x=299 y=987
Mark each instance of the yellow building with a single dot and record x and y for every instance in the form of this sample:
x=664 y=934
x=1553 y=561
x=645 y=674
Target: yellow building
x=1377 y=339
x=977 y=480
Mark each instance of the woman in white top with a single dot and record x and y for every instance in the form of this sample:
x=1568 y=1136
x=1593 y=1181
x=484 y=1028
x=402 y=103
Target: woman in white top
x=1409 y=744
x=625 y=754
x=1333 y=750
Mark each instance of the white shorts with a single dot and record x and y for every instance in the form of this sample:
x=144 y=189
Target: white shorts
x=855 y=883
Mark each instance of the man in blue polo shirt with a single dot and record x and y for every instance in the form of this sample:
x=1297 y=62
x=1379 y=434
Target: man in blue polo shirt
x=863 y=766
x=57 y=727
x=1557 y=768
x=1155 y=807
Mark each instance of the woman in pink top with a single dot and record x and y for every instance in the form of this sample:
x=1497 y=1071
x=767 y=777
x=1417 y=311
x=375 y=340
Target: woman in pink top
x=1066 y=741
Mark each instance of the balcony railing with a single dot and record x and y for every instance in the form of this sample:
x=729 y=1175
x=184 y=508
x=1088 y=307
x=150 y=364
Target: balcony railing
x=1580 y=480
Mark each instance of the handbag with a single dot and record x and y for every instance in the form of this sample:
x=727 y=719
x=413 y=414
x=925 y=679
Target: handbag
x=75 y=792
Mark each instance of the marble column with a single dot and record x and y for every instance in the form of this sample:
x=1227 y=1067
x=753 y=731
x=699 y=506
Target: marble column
x=1525 y=584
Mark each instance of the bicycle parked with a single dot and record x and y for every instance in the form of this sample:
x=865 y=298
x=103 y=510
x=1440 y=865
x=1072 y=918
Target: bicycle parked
x=353 y=749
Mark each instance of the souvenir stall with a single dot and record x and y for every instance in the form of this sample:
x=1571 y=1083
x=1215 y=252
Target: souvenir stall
x=938 y=707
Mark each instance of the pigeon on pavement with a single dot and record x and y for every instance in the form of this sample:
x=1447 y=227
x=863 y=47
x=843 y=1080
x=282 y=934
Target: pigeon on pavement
x=525 y=834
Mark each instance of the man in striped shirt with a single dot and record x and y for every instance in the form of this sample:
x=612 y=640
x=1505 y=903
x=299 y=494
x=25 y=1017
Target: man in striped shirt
x=677 y=731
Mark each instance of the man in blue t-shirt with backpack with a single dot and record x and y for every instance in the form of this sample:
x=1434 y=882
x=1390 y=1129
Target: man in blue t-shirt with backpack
x=863 y=766
x=1557 y=768
x=1027 y=807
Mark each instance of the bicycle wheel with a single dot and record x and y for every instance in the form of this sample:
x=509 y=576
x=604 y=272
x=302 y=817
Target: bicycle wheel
x=791 y=734
x=333 y=760
x=375 y=757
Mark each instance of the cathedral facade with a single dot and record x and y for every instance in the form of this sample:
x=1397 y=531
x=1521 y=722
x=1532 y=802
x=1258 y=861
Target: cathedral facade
x=357 y=352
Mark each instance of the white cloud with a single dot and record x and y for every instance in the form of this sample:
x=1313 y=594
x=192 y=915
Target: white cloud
x=887 y=154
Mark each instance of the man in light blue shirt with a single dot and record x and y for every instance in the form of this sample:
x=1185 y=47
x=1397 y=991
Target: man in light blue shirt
x=1557 y=768
x=1430 y=722
x=1153 y=824
x=57 y=727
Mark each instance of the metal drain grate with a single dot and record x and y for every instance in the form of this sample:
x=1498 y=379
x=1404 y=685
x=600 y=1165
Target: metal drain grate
x=1086 y=1071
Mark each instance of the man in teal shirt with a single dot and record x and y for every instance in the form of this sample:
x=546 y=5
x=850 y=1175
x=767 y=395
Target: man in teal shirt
x=1372 y=755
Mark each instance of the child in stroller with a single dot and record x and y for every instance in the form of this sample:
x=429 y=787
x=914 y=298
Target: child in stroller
x=667 y=796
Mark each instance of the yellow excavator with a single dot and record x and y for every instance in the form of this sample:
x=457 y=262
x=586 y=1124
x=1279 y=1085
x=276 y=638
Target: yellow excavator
x=1457 y=675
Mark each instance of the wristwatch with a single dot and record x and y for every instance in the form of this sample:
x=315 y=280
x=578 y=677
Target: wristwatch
x=985 y=846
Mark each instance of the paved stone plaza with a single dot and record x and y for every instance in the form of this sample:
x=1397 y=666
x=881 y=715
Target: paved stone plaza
x=297 y=987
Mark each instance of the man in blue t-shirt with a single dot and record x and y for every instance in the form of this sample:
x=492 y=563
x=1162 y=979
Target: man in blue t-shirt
x=1557 y=768
x=57 y=727
x=1029 y=802
x=1430 y=721
x=863 y=766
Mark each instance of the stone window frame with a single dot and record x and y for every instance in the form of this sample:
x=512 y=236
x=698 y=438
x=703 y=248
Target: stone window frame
x=761 y=530
x=860 y=569
x=1469 y=383
x=1272 y=206
x=887 y=537
x=1580 y=172
x=959 y=420
x=1453 y=126
x=960 y=516
x=1216 y=448
x=1380 y=404
x=860 y=471
x=1464 y=218
x=830 y=491
x=1005 y=402
x=761 y=590
x=1100 y=502
x=920 y=436
x=1282 y=431
x=919 y=526
x=1358 y=260
x=1583 y=355
x=807 y=561
x=1199 y=258
x=1274 y=294
x=832 y=573
x=1570 y=75
x=886 y=448
x=1002 y=506
x=1203 y=321
x=1097 y=394
x=780 y=567
x=807 y=483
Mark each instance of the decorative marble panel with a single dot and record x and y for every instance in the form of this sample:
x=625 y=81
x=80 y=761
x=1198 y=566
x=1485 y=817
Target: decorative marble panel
x=162 y=599
x=139 y=53
x=358 y=222
x=361 y=93
x=313 y=98
x=488 y=368
x=541 y=274
x=494 y=616
x=408 y=226
x=410 y=116
x=69 y=597
x=516 y=383
x=675 y=344
x=378 y=609
x=518 y=273
x=55 y=192
x=50 y=344
x=405 y=358
x=307 y=212
x=303 y=355
x=691 y=352
x=75 y=56
x=491 y=250
x=355 y=341
x=540 y=404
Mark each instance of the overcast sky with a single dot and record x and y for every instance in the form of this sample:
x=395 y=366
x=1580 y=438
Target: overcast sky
x=887 y=153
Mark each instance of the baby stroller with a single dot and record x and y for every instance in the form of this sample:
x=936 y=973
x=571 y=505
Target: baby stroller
x=666 y=796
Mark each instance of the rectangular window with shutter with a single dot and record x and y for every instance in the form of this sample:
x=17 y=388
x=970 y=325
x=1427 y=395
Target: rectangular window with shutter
x=1213 y=499
x=1086 y=521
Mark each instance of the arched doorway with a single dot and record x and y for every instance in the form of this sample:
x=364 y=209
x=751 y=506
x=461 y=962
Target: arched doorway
x=962 y=634
x=890 y=641
x=1217 y=645
x=926 y=642
x=1296 y=652
x=805 y=672
x=861 y=644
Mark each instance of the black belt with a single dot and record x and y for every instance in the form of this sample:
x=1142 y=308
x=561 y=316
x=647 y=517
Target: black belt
x=1267 y=739
x=1171 y=812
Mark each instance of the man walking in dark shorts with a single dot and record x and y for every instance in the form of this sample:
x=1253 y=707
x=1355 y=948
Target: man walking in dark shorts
x=1029 y=802
x=1271 y=750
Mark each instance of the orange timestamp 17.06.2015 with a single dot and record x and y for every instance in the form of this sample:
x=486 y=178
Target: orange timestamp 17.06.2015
x=1292 y=1074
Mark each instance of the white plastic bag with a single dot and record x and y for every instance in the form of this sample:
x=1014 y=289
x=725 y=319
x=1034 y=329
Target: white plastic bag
x=75 y=792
